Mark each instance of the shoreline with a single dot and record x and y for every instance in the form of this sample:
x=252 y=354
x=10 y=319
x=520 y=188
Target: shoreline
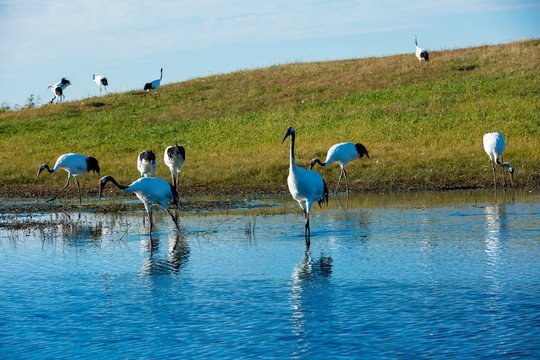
x=17 y=202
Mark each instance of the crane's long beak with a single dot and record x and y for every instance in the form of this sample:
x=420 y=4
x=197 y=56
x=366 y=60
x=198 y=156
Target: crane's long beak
x=39 y=172
x=286 y=135
x=101 y=186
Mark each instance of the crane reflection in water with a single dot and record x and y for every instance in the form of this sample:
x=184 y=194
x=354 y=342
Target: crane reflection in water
x=310 y=278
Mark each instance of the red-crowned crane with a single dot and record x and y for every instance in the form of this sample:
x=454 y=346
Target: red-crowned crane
x=101 y=80
x=174 y=158
x=151 y=191
x=153 y=85
x=146 y=163
x=494 y=146
x=75 y=165
x=58 y=90
x=305 y=186
x=342 y=154
x=421 y=54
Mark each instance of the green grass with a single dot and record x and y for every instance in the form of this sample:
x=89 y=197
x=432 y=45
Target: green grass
x=423 y=129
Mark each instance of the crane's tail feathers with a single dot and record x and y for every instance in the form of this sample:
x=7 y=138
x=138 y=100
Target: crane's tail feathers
x=324 y=199
x=361 y=149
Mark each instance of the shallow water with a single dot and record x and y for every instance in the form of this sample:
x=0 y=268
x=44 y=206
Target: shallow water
x=392 y=275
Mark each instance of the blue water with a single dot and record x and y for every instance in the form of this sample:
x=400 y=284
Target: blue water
x=407 y=275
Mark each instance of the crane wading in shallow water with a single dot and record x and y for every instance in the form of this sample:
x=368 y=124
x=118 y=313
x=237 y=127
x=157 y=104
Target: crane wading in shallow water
x=421 y=54
x=146 y=163
x=494 y=146
x=174 y=158
x=75 y=165
x=151 y=191
x=342 y=154
x=153 y=85
x=305 y=186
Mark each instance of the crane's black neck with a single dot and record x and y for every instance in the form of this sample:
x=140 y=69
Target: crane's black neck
x=293 y=135
x=111 y=179
x=46 y=167
x=317 y=161
x=503 y=164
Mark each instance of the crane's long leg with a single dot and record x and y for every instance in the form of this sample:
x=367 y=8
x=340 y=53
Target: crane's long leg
x=107 y=91
x=149 y=212
x=65 y=186
x=340 y=177
x=494 y=177
x=346 y=182
x=307 y=233
x=79 y=189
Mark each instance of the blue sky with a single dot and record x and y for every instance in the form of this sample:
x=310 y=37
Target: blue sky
x=128 y=41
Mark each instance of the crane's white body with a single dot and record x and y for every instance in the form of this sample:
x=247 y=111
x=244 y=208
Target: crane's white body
x=58 y=90
x=174 y=157
x=75 y=165
x=151 y=191
x=305 y=186
x=101 y=81
x=342 y=154
x=494 y=146
x=421 y=54
x=146 y=166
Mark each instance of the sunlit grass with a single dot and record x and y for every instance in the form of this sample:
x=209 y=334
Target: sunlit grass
x=423 y=129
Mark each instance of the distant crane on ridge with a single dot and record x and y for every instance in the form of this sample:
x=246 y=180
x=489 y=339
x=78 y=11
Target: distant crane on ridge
x=101 y=80
x=153 y=85
x=421 y=54
x=58 y=90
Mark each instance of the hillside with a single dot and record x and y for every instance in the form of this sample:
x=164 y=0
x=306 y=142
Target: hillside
x=423 y=129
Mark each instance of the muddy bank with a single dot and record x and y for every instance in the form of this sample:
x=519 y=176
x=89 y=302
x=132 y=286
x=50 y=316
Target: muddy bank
x=113 y=203
x=44 y=191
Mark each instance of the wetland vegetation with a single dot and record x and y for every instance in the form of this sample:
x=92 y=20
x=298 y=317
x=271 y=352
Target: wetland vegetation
x=423 y=129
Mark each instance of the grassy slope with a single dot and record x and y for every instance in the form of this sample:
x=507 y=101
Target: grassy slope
x=422 y=129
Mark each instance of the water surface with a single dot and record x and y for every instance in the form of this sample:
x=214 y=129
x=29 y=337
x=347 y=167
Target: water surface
x=388 y=275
